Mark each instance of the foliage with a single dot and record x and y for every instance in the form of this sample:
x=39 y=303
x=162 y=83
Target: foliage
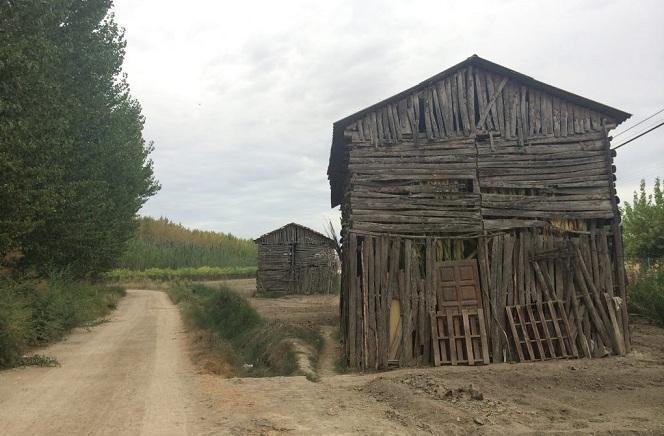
x=223 y=311
x=646 y=295
x=74 y=167
x=39 y=311
x=167 y=274
x=240 y=332
x=38 y=360
x=643 y=223
x=160 y=243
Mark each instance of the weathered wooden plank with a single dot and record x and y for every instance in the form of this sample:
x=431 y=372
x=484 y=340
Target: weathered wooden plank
x=467 y=337
x=545 y=330
x=470 y=86
x=438 y=348
x=463 y=103
x=556 y=328
x=524 y=330
x=352 y=330
x=538 y=339
x=483 y=336
x=456 y=112
x=515 y=334
x=547 y=115
x=454 y=357
x=556 y=116
x=438 y=111
x=365 y=302
x=372 y=344
x=494 y=288
x=482 y=100
x=494 y=105
x=615 y=327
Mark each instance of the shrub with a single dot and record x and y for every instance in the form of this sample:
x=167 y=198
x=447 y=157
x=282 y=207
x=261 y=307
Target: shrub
x=646 y=295
x=36 y=312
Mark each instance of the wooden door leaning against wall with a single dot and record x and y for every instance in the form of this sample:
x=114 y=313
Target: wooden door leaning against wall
x=458 y=286
x=458 y=328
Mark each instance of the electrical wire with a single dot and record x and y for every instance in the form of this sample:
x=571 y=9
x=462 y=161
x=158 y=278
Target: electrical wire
x=639 y=123
x=639 y=135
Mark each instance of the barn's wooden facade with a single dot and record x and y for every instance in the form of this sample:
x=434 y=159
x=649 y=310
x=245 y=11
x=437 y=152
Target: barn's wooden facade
x=297 y=260
x=479 y=223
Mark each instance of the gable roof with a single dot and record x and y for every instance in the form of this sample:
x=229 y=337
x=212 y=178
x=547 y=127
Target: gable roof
x=307 y=229
x=338 y=127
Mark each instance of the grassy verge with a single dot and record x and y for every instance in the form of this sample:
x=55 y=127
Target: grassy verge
x=35 y=312
x=252 y=346
x=646 y=295
x=168 y=274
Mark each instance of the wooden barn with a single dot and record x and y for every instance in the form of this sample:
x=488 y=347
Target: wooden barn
x=479 y=223
x=298 y=260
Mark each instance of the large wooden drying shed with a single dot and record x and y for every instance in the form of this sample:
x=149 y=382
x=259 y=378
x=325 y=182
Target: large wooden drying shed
x=298 y=260
x=479 y=223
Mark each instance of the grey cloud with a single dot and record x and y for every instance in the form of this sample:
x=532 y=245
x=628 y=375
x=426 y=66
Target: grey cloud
x=240 y=98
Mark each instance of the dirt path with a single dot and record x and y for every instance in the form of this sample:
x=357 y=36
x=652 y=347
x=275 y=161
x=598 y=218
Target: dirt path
x=128 y=376
x=133 y=375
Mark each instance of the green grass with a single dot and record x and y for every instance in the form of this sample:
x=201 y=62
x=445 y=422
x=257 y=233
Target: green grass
x=36 y=312
x=646 y=295
x=253 y=346
x=168 y=274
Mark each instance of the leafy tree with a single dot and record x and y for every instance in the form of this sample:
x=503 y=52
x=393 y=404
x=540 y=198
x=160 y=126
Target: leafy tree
x=643 y=223
x=74 y=167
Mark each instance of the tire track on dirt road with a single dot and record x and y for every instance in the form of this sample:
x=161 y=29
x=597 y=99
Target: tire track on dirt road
x=127 y=376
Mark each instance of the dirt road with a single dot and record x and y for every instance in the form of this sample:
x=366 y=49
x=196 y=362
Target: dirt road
x=133 y=375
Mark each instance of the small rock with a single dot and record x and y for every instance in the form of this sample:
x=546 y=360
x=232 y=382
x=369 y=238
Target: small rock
x=479 y=420
x=573 y=368
x=458 y=419
x=476 y=395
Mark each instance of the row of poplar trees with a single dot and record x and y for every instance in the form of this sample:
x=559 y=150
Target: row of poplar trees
x=74 y=167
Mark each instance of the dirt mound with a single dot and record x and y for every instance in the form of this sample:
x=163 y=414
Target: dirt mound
x=434 y=404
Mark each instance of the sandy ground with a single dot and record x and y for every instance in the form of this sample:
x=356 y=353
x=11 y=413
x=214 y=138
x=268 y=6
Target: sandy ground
x=130 y=375
x=133 y=375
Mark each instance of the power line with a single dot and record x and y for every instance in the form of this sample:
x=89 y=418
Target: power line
x=638 y=136
x=640 y=122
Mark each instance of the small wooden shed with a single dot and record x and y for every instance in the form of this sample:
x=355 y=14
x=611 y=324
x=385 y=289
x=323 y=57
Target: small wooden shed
x=298 y=260
x=479 y=223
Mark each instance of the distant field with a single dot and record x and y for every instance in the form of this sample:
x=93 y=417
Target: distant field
x=168 y=274
x=160 y=243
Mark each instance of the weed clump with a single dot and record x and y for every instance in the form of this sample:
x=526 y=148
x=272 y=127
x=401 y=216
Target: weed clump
x=35 y=312
x=253 y=346
x=38 y=360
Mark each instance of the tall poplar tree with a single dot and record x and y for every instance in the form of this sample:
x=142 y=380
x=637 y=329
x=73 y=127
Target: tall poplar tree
x=74 y=167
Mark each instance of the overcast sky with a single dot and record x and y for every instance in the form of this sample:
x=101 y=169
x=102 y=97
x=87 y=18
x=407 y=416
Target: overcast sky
x=239 y=97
